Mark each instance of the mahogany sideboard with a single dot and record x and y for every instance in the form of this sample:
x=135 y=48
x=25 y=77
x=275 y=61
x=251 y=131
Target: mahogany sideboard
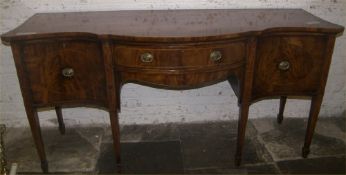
x=83 y=59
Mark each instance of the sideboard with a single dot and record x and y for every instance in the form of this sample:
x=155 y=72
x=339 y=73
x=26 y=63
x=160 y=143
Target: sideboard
x=83 y=59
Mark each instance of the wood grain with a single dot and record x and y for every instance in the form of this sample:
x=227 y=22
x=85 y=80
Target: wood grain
x=179 y=57
x=171 y=25
x=305 y=55
x=102 y=51
x=44 y=62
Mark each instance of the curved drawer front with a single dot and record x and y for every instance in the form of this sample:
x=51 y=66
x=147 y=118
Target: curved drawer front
x=180 y=56
x=183 y=80
x=290 y=65
x=65 y=71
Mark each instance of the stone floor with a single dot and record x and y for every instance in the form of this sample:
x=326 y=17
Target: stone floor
x=270 y=148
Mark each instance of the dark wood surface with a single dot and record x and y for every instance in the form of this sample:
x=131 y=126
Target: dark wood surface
x=45 y=61
x=180 y=57
x=304 y=73
x=170 y=25
x=84 y=58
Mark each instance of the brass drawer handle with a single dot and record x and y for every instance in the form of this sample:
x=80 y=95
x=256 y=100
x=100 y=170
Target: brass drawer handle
x=215 y=56
x=284 y=65
x=147 y=58
x=67 y=72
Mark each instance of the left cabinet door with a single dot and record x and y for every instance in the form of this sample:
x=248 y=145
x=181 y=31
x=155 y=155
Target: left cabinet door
x=65 y=72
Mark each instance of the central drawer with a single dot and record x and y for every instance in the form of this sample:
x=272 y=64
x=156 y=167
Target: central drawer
x=179 y=66
x=175 y=57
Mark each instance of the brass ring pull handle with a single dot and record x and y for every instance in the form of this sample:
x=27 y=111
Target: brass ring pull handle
x=67 y=72
x=284 y=65
x=215 y=56
x=147 y=58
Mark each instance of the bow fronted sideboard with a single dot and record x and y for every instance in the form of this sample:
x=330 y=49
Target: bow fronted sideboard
x=83 y=59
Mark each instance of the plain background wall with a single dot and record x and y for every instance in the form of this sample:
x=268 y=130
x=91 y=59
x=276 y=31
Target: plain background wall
x=142 y=105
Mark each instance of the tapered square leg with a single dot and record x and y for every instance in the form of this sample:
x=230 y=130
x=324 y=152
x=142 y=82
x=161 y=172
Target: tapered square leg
x=245 y=98
x=60 y=120
x=116 y=137
x=243 y=116
x=316 y=102
x=36 y=133
x=113 y=95
x=280 y=116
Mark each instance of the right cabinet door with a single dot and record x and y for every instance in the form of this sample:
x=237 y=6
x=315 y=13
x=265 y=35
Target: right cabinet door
x=288 y=65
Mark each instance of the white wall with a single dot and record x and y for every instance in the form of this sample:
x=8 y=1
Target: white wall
x=148 y=105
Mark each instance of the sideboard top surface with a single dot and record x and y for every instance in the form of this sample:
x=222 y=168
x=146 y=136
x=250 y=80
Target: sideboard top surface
x=170 y=24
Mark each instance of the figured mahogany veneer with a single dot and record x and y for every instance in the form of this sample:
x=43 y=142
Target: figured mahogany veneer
x=306 y=65
x=179 y=66
x=168 y=57
x=44 y=62
x=84 y=58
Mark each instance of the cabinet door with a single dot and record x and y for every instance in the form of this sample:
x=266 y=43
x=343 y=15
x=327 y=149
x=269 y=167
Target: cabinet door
x=288 y=65
x=65 y=72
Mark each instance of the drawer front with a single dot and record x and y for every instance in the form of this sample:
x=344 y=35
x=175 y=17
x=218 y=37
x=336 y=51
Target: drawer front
x=288 y=65
x=182 y=57
x=65 y=71
x=185 y=80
